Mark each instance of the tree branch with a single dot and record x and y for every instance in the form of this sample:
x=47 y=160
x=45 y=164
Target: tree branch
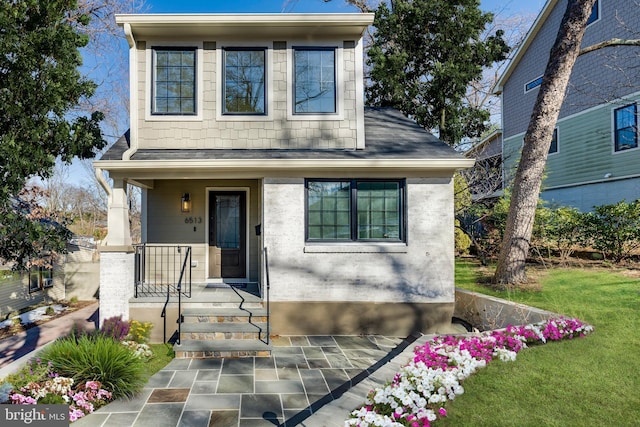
x=608 y=43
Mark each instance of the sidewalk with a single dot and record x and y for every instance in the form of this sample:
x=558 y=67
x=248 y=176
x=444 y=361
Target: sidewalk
x=18 y=349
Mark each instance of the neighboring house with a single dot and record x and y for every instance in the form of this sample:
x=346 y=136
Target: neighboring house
x=74 y=274
x=253 y=149
x=594 y=158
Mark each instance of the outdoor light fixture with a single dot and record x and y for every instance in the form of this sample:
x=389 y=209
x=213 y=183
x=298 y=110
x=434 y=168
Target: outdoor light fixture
x=185 y=203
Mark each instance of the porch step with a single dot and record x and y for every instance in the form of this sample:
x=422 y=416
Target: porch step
x=224 y=312
x=225 y=331
x=221 y=348
x=225 y=327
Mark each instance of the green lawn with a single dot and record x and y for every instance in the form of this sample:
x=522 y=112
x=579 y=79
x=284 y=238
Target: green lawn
x=592 y=381
x=162 y=355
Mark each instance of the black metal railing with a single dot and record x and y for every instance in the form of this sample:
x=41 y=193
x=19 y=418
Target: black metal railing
x=266 y=292
x=163 y=314
x=159 y=269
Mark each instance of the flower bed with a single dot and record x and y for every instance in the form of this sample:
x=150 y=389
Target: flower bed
x=85 y=371
x=418 y=394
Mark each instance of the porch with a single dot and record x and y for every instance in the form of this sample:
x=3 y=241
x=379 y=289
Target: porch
x=219 y=317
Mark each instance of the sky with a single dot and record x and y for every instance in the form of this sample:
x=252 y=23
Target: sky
x=508 y=7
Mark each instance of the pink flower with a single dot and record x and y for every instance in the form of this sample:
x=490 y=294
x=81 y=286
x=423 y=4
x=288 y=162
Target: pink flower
x=443 y=412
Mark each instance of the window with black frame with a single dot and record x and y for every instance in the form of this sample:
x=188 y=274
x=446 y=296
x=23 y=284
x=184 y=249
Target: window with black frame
x=626 y=127
x=355 y=210
x=314 y=80
x=244 y=81
x=174 y=81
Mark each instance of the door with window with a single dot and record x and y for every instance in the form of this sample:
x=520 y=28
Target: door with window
x=227 y=234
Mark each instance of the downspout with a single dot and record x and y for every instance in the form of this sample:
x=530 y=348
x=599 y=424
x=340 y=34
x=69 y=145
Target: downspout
x=133 y=93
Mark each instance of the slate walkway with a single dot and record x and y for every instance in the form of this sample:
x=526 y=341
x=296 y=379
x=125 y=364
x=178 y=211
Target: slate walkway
x=308 y=381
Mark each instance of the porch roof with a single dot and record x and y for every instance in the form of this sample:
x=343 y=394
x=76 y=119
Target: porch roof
x=391 y=140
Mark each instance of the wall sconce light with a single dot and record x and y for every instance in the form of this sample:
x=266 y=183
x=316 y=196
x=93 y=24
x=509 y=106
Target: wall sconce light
x=185 y=203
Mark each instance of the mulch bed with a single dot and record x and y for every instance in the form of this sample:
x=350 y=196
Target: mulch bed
x=13 y=330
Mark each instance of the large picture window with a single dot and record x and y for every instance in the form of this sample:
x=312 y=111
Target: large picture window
x=626 y=127
x=40 y=278
x=174 y=81
x=355 y=210
x=314 y=80
x=244 y=81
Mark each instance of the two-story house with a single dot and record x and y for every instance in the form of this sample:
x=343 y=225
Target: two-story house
x=594 y=157
x=255 y=153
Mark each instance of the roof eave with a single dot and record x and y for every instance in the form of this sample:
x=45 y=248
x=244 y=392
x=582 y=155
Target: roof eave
x=522 y=49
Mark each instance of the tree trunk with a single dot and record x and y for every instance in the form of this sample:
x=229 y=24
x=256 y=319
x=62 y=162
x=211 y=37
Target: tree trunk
x=537 y=140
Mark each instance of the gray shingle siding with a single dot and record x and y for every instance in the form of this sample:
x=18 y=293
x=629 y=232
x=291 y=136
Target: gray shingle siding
x=597 y=77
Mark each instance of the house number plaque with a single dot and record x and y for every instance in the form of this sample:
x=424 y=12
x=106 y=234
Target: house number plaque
x=193 y=220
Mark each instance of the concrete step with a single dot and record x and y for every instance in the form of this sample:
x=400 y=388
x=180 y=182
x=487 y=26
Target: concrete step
x=236 y=327
x=224 y=312
x=222 y=348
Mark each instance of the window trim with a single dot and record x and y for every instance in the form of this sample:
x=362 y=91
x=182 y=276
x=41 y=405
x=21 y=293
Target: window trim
x=353 y=212
x=223 y=86
x=219 y=82
x=614 y=129
x=339 y=81
x=149 y=75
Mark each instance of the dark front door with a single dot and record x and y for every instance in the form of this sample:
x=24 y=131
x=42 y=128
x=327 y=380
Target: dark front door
x=227 y=234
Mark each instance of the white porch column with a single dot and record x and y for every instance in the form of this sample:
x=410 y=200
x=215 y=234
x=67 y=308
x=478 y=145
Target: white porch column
x=116 y=257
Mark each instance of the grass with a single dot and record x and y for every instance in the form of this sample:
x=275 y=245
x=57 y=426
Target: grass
x=162 y=355
x=589 y=381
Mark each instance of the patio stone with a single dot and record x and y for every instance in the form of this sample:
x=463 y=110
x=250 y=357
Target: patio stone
x=265 y=362
x=204 y=387
x=159 y=415
x=339 y=361
x=205 y=363
x=237 y=366
x=160 y=379
x=134 y=404
x=266 y=374
x=279 y=387
x=235 y=384
x=314 y=382
x=321 y=340
x=183 y=379
x=195 y=419
x=260 y=406
x=212 y=402
x=295 y=361
x=224 y=419
x=299 y=340
x=208 y=375
x=165 y=395
x=288 y=373
x=177 y=365
x=294 y=401
x=313 y=352
x=318 y=363
x=286 y=351
x=118 y=420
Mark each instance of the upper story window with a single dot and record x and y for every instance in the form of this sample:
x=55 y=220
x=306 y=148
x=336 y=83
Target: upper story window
x=314 y=80
x=533 y=84
x=595 y=13
x=625 y=120
x=174 y=81
x=355 y=210
x=553 y=148
x=244 y=81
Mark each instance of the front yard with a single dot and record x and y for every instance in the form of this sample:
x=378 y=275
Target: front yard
x=590 y=381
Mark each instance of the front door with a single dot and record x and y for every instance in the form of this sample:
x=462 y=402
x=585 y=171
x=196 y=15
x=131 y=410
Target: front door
x=227 y=234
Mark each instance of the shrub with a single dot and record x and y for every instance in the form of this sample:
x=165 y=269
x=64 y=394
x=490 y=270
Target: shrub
x=97 y=358
x=566 y=230
x=49 y=311
x=115 y=328
x=615 y=229
x=139 y=332
x=34 y=371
